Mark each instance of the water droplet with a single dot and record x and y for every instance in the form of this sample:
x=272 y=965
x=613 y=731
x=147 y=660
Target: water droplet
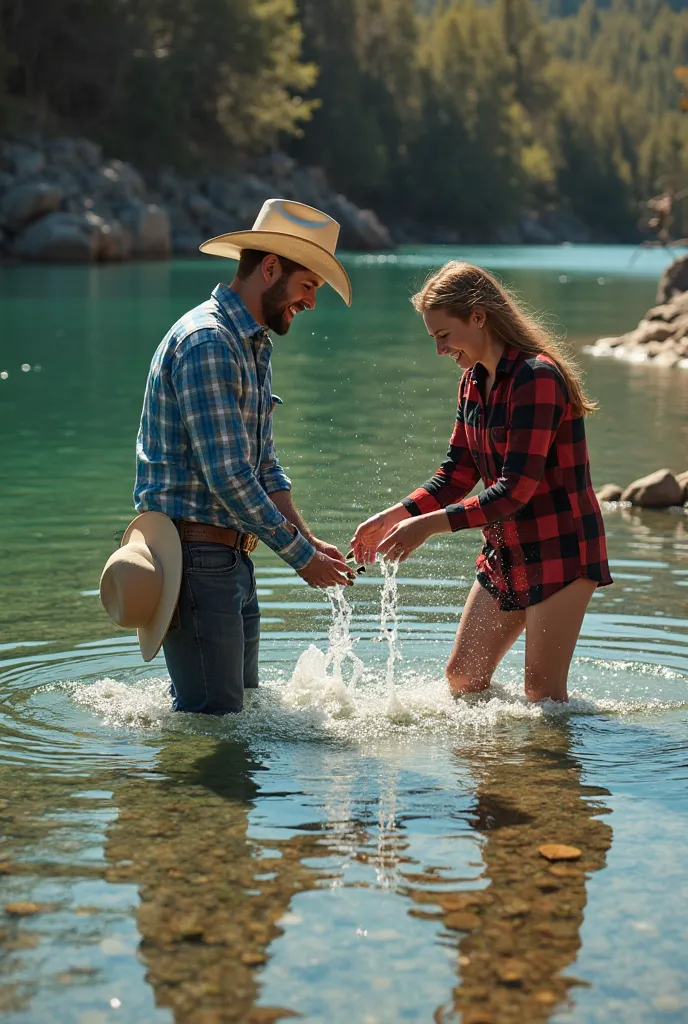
x=115 y=1004
x=4 y=375
x=563 y=279
x=601 y=280
x=25 y=368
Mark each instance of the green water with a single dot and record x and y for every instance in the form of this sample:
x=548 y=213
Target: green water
x=294 y=857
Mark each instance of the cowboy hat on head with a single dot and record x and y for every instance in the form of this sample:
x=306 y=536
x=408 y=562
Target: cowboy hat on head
x=293 y=230
x=139 y=588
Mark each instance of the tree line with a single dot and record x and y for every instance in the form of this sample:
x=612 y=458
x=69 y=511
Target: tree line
x=432 y=112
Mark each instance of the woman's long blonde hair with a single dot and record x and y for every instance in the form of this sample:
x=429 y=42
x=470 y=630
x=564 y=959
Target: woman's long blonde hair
x=459 y=287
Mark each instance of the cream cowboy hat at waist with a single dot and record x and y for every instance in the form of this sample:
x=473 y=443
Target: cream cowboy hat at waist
x=139 y=587
x=293 y=230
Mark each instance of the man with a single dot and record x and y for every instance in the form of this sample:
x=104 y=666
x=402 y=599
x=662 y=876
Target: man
x=205 y=454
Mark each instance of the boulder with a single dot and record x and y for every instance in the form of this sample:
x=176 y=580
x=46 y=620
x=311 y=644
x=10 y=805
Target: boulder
x=669 y=355
x=224 y=193
x=650 y=330
x=90 y=154
x=608 y=343
x=74 y=154
x=680 y=326
x=172 y=187
x=21 y=160
x=68 y=183
x=206 y=218
x=116 y=180
x=23 y=203
x=674 y=279
x=149 y=227
x=59 y=237
x=114 y=242
x=609 y=492
x=669 y=311
x=657 y=490
x=198 y=205
x=360 y=229
x=181 y=221
x=682 y=480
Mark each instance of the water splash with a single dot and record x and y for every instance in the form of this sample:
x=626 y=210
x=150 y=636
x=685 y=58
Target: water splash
x=389 y=630
x=319 y=674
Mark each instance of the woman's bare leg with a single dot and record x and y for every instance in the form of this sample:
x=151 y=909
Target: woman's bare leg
x=552 y=629
x=484 y=636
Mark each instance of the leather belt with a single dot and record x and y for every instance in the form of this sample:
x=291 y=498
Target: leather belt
x=209 y=534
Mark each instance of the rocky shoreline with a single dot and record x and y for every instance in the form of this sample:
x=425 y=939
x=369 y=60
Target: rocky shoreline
x=661 y=489
x=62 y=201
x=661 y=337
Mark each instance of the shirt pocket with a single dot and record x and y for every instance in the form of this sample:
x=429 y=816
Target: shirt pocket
x=497 y=435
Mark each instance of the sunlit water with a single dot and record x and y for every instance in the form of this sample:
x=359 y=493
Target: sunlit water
x=356 y=846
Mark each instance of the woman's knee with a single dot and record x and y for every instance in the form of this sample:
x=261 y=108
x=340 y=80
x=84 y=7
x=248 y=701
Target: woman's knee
x=461 y=681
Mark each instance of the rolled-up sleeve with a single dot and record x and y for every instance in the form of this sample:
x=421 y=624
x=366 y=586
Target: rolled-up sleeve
x=208 y=388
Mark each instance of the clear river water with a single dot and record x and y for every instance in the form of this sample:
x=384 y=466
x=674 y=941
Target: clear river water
x=336 y=853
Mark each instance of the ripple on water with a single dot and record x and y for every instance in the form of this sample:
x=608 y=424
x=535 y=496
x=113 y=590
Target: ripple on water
x=66 y=709
x=313 y=706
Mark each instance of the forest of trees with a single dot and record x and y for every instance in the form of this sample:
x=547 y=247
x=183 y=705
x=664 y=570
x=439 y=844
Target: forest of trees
x=431 y=111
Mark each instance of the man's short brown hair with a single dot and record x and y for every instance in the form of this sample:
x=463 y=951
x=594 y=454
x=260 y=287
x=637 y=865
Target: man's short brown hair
x=252 y=258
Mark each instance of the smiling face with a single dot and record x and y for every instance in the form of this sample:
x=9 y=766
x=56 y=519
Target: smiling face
x=286 y=295
x=463 y=341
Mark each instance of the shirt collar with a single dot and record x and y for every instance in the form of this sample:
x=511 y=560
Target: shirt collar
x=234 y=310
x=506 y=363
x=508 y=359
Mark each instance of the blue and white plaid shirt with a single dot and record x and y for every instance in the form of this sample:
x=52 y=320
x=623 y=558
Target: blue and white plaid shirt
x=205 y=451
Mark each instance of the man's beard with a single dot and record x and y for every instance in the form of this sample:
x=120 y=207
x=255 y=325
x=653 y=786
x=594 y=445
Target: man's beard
x=275 y=306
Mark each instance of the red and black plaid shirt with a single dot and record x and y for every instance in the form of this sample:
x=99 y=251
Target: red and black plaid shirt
x=539 y=515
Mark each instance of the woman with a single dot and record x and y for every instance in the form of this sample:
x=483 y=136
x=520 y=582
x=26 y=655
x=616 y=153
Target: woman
x=519 y=426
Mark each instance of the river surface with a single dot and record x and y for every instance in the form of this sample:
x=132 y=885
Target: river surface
x=330 y=853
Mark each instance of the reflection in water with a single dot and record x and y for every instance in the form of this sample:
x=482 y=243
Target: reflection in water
x=523 y=930
x=211 y=898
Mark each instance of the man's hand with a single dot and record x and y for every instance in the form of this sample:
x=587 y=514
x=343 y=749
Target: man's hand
x=323 y=571
x=331 y=550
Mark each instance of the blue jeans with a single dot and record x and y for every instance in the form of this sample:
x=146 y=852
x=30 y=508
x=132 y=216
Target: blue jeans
x=211 y=648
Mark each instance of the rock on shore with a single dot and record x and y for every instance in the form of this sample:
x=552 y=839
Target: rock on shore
x=661 y=337
x=661 y=489
x=61 y=200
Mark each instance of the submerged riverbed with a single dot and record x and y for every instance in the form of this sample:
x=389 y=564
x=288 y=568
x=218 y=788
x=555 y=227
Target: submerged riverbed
x=325 y=854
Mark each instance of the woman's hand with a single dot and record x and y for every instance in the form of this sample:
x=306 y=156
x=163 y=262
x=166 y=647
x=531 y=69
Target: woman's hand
x=403 y=539
x=368 y=537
